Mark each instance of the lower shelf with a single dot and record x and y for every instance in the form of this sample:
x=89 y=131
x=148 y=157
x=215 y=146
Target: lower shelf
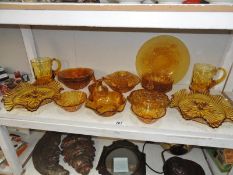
x=153 y=158
x=31 y=139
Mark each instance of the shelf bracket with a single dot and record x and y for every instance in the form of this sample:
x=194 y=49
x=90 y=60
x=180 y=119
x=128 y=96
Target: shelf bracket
x=29 y=44
x=7 y=147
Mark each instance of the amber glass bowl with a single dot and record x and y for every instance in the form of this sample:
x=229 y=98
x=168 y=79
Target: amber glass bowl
x=121 y=81
x=148 y=105
x=76 y=78
x=105 y=103
x=71 y=100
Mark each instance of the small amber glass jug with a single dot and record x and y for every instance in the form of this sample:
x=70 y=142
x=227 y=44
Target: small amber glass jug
x=203 y=77
x=42 y=68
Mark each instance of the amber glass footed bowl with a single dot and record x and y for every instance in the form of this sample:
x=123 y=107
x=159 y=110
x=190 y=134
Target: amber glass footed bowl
x=148 y=105
x=71 y=100
x=76 y=78
x=121 y=81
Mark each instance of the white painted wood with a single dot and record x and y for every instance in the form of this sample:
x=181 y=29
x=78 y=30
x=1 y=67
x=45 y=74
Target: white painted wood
x=136 y=19
x=153 y=158
x=29 y=44
x=229 y=82
x=8 y=150
x=31 y=139
x=227 y=63
x=231 y=172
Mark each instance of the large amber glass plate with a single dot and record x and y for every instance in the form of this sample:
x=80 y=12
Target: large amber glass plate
x=31 y=96
x=163 y=55
x=209 y=109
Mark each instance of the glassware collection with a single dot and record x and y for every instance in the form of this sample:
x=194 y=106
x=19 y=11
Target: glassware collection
x=161 y=62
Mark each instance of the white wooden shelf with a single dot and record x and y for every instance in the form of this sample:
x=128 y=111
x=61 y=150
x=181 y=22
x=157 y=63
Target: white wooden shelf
x=197 y=16
x=172 y=128
x=31 y=139
x=153 y=158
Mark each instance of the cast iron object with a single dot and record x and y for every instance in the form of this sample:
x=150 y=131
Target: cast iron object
x=141 y=167
x=179 y=166
x=45 y=155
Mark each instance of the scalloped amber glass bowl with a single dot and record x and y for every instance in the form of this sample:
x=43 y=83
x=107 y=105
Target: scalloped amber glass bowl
x=76 y=78
x=71 y=100
x=105 y=103
x=121 y=81
x=204 y=108
x=148 y=105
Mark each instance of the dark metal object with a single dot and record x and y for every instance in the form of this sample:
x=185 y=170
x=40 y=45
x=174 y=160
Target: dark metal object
x=122 y=146
x=45 y=155
x=79 y=152
x=179 y=166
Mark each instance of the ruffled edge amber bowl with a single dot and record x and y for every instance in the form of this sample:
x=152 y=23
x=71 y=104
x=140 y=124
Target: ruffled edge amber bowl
x=121 y=81
x=31 y=96
x=104 y=102
x=204 y=108
x=148 y=106
x=71 y=100
x=76 y=78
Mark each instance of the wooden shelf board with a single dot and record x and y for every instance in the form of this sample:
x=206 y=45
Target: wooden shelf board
x=119 y=7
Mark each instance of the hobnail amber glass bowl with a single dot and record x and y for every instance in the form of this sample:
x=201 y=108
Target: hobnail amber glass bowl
x=121 y=81
x=148 y=105
x=76 y=78
x=105 y=103
x=71 y=100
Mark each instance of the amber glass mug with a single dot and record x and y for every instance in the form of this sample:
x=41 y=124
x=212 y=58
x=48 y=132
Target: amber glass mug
x=203 y=77
x=42 y=68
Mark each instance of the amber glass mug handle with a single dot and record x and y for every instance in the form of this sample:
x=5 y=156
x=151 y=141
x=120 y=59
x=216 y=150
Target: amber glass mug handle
x=221 y=78
x=58 y=65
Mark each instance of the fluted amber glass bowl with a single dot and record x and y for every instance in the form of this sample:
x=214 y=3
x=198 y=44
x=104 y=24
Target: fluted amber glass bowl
x=31 y=96
x=204 y=108
x=121 y=81
x=148 y=105
x=105 y=103
x=76 y=78
x=71 y=100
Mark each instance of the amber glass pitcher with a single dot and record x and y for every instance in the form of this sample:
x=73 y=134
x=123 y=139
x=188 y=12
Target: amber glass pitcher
x=42 y=68
x=203 y=77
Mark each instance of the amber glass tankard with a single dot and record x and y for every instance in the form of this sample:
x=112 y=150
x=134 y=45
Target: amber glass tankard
x=43 y=71
x=203 y=77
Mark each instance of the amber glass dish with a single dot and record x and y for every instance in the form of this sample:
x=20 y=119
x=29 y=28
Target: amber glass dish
x=105 y=103
x=76 y=78
x=204 y=108
x=148 y=105
x=31 y=96
x=121 y=81
x=71 y=100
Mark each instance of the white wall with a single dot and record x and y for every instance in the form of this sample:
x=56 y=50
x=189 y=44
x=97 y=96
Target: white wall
x=12 y=52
